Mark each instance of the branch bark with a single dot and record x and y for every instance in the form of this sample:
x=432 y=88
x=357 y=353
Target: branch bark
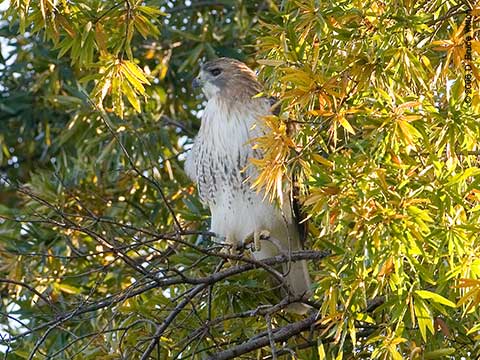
x=281 y=334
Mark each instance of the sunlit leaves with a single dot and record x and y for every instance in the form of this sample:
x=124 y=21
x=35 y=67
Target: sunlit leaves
x=118 y=78
x=276 y=147
x=425 y=294
x=453 y=46
x=391 y=159
x=105 y=34
x=389 y=346
x=66 y=75
x=471 y=296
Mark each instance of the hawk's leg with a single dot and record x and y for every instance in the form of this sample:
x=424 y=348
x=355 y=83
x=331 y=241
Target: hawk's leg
x=257 y=236
x=230 y=244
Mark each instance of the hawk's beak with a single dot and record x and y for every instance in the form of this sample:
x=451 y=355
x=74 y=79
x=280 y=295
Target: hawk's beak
x=196 y=83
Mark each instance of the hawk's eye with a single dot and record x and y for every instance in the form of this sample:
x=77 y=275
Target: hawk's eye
x=216 y=71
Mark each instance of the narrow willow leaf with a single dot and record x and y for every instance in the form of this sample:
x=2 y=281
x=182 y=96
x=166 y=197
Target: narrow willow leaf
x=439 y=354
x=346 y=125
x=69 y=289
x=132 y=98
x=136 y=71
x=133 y=80
x=424 y=317
x=321 y=352
x=428 y=295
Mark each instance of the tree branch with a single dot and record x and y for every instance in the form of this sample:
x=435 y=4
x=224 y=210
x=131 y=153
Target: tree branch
x=281 y=334
x=211 y=279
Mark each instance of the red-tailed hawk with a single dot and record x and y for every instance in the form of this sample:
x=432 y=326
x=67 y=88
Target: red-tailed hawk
x=219 y=163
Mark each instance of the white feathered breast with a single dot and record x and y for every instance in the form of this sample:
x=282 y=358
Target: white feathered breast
x=219 y=163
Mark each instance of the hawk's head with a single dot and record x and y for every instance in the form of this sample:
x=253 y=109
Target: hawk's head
x=229 y=78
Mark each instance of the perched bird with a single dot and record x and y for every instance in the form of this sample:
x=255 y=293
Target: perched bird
x=219 y=164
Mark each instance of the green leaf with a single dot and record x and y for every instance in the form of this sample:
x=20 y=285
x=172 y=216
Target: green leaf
x=474 y=329
x=149 y=10
x=428 y=295
x=420 y=213
x=69 y=289
x=24 y=354
x=472 y=171
x=439 y=354
x=424 y=317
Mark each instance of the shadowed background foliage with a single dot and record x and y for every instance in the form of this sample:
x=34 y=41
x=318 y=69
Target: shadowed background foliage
x=104 y=249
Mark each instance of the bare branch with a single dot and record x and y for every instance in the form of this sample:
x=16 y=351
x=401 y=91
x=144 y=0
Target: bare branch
x=40 y=295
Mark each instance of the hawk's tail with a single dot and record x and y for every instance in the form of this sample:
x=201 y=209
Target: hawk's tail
x=296 y=272
x=298 y=280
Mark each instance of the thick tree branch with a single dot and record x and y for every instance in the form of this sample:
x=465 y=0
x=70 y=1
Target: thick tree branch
x=281 y=334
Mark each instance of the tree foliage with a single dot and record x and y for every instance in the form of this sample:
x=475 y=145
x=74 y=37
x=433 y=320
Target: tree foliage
x=104 y=245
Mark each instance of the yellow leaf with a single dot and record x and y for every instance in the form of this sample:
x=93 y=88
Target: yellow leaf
x=104 y=89
x=419 y=213
x=425 y=294
x=346 y=125
x=321 y=352
x=443 y=45
x=132 y=98
x=408 y=131
x=364 y=318
x=67 y=288
x=136 y=71
x=320 y=159
x=474 y=329
x=424 y=317
x=411 y=117
x=320 y=112
x=387 y=268
x=352 y=330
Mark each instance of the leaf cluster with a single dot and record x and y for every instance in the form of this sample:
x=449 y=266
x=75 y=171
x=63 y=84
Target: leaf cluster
x=386 y=152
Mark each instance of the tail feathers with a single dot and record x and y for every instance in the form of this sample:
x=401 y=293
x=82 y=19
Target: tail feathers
x=297 y=276
x=298 y=280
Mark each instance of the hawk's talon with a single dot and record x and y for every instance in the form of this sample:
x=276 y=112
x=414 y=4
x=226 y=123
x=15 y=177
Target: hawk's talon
x=260 y=235
x=249 y=239
x=264 y=235
x=230 y=245
x=256 y=240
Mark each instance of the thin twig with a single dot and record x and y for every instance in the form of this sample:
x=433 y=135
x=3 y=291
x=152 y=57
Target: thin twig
x=40 y=295
x=270 y=336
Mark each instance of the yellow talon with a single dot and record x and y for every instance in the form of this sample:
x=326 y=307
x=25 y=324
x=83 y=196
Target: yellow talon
x=231 y=244
x=256 y=240
x=258 y=236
